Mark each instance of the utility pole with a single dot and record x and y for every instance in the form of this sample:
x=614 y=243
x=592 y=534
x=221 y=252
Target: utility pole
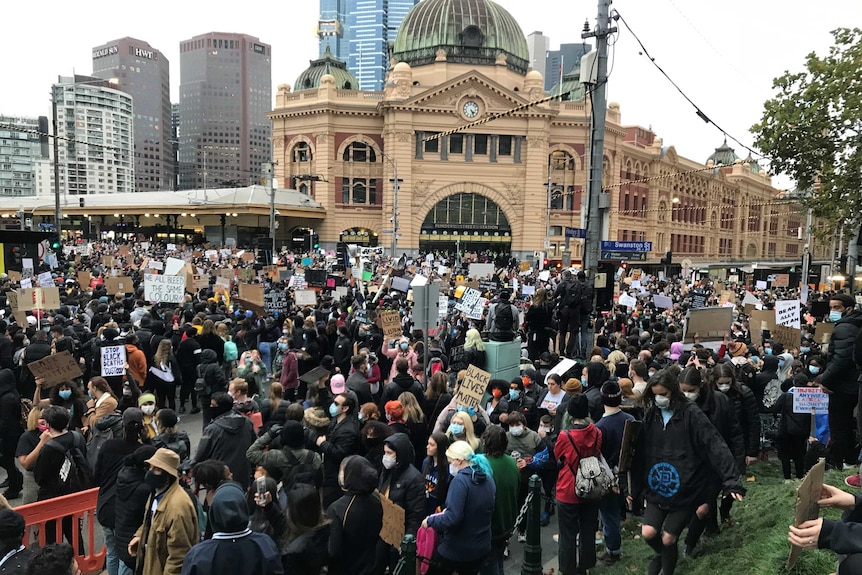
x=270 y=189
x=395 y=183
x=57 y=213
x=598 y=97
x=806 y=252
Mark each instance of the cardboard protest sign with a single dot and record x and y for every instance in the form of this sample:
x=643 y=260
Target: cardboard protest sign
x=810 y=400
x=392 y=531
x=726 y=296
x=84 y=279
x=630 y=434
x=37 y=298
x=807 y=496
x=113 y=361
x=108 y=261
x=789 y=337
x=252 y=293
x=120 y=284
x=164 y=288
x=710 y=323
x=390 y=323
x=305 y=297
x=481 y=271
x=781 y=280
x=787 y=312
x=471 y=390
x=55 y=369
x=759 y=321
x=13 y=275
x=823 y=332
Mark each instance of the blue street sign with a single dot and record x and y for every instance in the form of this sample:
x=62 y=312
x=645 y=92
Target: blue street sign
x=627 y=246
x=618 y=256
x=580 y=233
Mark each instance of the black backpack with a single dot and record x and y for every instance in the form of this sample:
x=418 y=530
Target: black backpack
x=75 y=474
x=571 y=295
x=302 y=471
x=505 y=317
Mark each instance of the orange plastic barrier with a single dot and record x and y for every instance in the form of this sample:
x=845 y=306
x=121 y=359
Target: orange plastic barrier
x=80 y=506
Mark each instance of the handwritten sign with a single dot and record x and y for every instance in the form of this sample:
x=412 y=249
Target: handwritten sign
x=252 y=293
x=390 y=323
x=305 y=297
x=276 y=302
x=45 y=279
x=121 y=284
x=787 y=313
x=37 y=298
x=710 y=323
x=473 y=387
x=468 y=300
x=392 y=531
x=662 y=301
x=810 y=400
x=789 y=337
x=163 y=288
x=55 y=369
x=113 y=361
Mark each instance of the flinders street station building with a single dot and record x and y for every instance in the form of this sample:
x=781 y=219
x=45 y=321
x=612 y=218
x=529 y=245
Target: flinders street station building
x=499 y=186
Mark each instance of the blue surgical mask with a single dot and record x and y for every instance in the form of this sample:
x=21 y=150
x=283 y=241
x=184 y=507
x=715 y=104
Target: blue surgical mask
x=333 y=409
x=514 y=394
x=282 y=346
x=90 y=394
x=584 y=380
x=65 y=393
x=456 y=429
x=768 y=351
x=804 y=349
x=814 y=369
x=404 y=346
x=834 y=316
x=780 y=363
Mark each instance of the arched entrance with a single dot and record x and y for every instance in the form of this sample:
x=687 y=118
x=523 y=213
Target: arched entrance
x=359 y=236
x=466 y=221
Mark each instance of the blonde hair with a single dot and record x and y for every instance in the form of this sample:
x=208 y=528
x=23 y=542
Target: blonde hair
x=474 y=339
x=469 y=434
x=33 y=417
x=222 y=331
x=412 y=410
x=614 y=357
x=276 y=395
x=460 y=450
x=163 y=352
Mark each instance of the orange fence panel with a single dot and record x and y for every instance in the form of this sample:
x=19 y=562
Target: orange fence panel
x=81 y=509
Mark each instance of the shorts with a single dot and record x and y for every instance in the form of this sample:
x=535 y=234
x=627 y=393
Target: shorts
x=670 y=521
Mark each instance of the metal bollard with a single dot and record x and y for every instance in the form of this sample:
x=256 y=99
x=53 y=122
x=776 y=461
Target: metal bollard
x=532 y=563
x=407 y=562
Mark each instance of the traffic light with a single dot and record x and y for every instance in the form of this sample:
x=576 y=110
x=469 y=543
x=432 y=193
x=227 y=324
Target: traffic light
x=545 y=262
x=312 y=242
x=17 y=256
x=55 y=245
x=624 y=265
x=668 y=258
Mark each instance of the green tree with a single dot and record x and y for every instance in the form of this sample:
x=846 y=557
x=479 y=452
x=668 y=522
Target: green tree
x=812 y=129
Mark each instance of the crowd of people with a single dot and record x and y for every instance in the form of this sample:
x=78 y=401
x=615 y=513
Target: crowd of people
x=313 y=421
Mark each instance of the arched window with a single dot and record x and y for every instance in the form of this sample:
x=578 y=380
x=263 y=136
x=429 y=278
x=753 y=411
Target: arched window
x=359 y=152
x=303 y=189
x=301 y=152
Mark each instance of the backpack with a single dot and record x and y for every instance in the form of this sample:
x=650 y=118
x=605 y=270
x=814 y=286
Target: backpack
x=505 y=317
x=200 y=382
x=571 y=295
x=771 y=393
x=593 y=479
x=230 y=351
x=301 y=471
x=75 y=474
x=108 y=427
x=746 y=375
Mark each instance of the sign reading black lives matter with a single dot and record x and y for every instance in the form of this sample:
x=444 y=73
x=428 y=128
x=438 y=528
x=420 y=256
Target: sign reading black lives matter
x=473 y=387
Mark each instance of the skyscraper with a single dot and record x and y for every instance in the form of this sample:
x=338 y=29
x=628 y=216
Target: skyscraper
x=19 y=150
x=358 y=32
x=143 y=72
x=225 y=94
x=95 y=124
x=538 y=44
x=560 y=62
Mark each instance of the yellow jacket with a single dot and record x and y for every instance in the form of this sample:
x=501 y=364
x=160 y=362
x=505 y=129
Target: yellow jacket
x=167 y=538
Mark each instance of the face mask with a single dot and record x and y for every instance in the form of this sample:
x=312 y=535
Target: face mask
x=389 y=461
x=282 y=346
x=514 y=394
x=517 y=431
x=90 y=394
x=285 y=332
x=361 y=417
x=813 y=369
x=453 y=470
x=804 y=349
x=404 y=346
x=755 y=359
x=497 y=393
x=584 y=380
x=662 y=402
x=834 y=316
x=156 y=481
x=650 y=374
x=42 y=427
x=545 y=429
x=127 y=392
x=768 y=351
x=65 y=393
x=333 y=410
x=148 y=409
x=724 y=387
x=691 y=395
x=456 y=429
x=780 y=363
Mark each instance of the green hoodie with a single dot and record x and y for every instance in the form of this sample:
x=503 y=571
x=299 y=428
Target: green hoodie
x=507 y=479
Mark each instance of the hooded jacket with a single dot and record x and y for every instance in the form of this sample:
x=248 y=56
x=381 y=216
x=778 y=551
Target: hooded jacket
x=10 y=409
x=464 y=527
x=356 y=519
x=841 y=373
x=234 y=548
x=213 y=374
x=720 y=412
x=571 y=445
x=762 y=379
x=401 y=383
x=134 y=493
x=746 y=408
x=227 y=439
x=167 y=536
x=403 y=484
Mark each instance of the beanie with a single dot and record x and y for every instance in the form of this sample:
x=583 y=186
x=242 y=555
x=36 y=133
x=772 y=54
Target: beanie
x=612 y=395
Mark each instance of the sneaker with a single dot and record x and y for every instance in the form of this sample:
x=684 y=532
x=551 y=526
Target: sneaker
x=182 y=409
x=848 y=466
x=853 y=481
x=609 y=559
x=522 y=537
x=196 y=410
x=545 y=520
x=556 y=537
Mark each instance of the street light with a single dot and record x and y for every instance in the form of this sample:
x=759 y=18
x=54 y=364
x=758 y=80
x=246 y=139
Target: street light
x=395 y=185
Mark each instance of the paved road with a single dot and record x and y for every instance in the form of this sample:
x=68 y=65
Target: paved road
x=192 y=424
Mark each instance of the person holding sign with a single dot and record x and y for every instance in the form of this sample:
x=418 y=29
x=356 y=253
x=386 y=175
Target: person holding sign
x=464 y=527
x=794 y=429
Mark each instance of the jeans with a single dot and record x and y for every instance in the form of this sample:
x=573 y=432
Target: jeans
x=577 y=554
x=494 y=565
x=570 y=321
x=125 y=569
x=609 y=510
x=265 y=350
x=112 y=560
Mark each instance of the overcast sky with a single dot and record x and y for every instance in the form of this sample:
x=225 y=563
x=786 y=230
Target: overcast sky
x=724 y=55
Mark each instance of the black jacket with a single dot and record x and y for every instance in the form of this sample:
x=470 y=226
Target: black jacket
x=673 y=464
x=470 y=356
x=538 y=317
x=10 y=408
x=796 y=425
x=719 y=409
x=749 y=420
x=213 y=374
x=308 y=553
x=404 y=483
x=356 y=519
x=342 y=353
x=108 y=465
x=213 y=342
x=189 y=354
x=841 y=372
x=401 y=383
x=358 y=384
x=843 y=537
x=227 y=439
x=526 y=406
x=341 y=440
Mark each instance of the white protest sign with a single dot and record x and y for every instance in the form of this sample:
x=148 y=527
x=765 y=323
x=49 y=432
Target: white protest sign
x=760 y=284
x=750 y=299
x=419 y=280
x=26 y=283
x=787 y=312
x=154 y=265
x=662 y=301
x=443 y=310
x=341 y=291
x=164 y=289
x=45 y=279
x=476 y=312
x=174 y=266
x=113 y=361
x=468 y=300
x=171 y=247
x=561 y=368
x=627 y=300
x=810 y=399
x=305 y=297
x=544 y=275
x=528 y=290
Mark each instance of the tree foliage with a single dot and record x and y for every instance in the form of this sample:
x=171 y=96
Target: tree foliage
x=812 y=129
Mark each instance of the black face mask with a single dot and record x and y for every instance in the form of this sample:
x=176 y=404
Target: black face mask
x=157 y=482
x=371 y=442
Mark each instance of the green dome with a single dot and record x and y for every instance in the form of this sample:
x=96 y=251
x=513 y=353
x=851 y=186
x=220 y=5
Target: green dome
x=723 y=155
x=326 y=64
x=469 y=31
x=752 y=163
x=571 y=89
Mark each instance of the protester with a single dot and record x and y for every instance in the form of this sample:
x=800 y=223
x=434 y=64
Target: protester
x=227 y=439
x=355 y=517
x=507 y=483
x=15 y=557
